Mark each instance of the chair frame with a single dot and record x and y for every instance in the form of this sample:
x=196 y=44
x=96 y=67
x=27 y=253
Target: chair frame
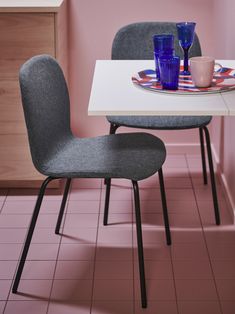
x=107 y=197
x=114 y=127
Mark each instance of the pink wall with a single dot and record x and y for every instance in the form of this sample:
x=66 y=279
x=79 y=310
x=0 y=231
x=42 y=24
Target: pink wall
x=93 y=25
x=223 y=130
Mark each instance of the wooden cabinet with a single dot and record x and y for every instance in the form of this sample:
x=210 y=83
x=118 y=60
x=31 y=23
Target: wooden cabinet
x=27 y=28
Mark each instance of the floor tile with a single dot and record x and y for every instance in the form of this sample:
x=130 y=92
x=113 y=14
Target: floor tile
x=151 y=220
x=114 y=235
x=82 y=307
x=10 y=252
x=117 y=220
x=228 y=307
x=223 y=269
x=221 y=250
x=7 y=269
x=2 y=306
x=113 y=290
x=71 y=290
x=192 y=269
x=18 y=207
x=45 y=235
x=114 y=307
x=187 y=235
x=189 y=251
x=220 y=235
x=226 y=289
x=26 y=307
x=195 y=290
x=86 y=183
x=189 y=220
x=5 y=286
x=79 y=235
x=83 y=207
x=157 y=290
x=154 y=251
x=11 y=235
x=155 y=269
x=151 y=234
x=114 y=252
x=113 y=270
x=117 y=194
x=43 y=252
x=195 y=307
x=38 y=270
x=73 y=221
x=77 y=252
x=32 y=290
x=118 y=207
x=158 y=307
x=14 y=221
x=85 y=194
x=74 y=270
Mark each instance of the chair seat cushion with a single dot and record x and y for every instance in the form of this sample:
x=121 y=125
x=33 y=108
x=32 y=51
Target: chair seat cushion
x=134 y=156
x=161 y=122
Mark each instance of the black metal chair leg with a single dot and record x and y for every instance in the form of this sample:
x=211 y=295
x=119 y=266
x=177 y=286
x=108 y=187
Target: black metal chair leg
x=164 y=207
x=212 y=176
x=106 y=205
x=140 y=245
x=30 y=234
x=203 y=155
x=62 y=207
x=112 y=130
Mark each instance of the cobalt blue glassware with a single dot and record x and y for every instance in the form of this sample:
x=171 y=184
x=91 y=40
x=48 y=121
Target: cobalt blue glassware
x=163 y=45
x=186 y=36
x=169 y=67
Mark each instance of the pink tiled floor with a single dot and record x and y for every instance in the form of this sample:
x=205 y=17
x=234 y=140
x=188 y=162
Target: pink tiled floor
x=94 y=269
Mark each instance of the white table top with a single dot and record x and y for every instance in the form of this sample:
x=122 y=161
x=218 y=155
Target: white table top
x=113 y=93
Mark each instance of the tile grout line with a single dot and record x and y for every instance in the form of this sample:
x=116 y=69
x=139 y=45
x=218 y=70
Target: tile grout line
x=4 y=202
x=213 y=275
x=97 y=232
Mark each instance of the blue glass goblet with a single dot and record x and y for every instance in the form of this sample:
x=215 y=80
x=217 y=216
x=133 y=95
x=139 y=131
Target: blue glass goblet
x=186 y=36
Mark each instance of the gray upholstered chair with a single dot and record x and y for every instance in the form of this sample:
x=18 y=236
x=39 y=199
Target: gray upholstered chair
x=134 y=41
x=56 y=153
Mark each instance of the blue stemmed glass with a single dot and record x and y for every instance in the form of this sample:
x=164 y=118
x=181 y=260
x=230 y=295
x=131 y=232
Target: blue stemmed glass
x=186 y=36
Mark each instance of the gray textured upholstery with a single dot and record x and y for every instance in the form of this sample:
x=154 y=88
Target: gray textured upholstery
x=134 y=41
x=57 y=153
x=161 y=122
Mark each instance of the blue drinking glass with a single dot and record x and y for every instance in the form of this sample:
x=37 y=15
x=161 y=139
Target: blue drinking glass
x=169 y=67
x=163 y=45
x=186 y=36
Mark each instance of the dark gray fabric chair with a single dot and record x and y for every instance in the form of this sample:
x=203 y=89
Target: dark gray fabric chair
x=135 y=41
x=56 y=153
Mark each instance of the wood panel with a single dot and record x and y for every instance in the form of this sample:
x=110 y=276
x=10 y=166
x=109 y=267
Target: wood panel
x=22 y=35
x=26 y=34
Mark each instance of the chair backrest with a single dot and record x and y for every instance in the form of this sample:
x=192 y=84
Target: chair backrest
x=135 y=41
x=46 y=105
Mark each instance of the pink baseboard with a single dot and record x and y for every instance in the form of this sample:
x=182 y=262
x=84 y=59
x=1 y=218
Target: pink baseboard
x=226 y=189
